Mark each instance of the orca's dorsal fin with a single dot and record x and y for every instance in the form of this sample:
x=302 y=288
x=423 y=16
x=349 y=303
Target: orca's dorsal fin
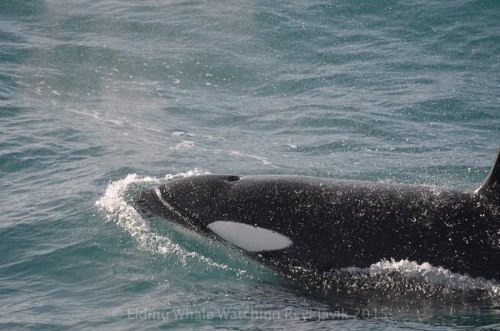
x=491 y=186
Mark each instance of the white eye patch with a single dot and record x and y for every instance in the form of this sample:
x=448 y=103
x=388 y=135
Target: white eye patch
x=248 y=237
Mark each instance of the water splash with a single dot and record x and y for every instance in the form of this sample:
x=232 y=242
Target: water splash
x=435 y=275
x=391 y=281
x=438 y=276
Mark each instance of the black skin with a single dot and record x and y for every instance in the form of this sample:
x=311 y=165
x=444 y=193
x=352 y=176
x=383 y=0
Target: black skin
x=335 y=224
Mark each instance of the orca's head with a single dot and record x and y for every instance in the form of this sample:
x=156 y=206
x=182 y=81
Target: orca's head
x=213 y=204
x=192 y=201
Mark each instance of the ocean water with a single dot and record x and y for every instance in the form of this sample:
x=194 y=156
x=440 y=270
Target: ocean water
x=102 y=99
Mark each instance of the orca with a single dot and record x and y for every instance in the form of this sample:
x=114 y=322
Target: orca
x=325 y=224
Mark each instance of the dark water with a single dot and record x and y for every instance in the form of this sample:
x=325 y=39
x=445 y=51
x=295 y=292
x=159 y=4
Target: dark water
x=100 y=99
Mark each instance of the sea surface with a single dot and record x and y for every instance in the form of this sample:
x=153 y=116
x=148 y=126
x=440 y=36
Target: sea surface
x=102 y=99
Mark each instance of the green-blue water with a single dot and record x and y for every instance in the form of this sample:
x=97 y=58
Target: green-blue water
x=92 y=92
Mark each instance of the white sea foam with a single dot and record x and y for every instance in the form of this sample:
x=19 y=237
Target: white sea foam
x=427 y=273
x=117 y=209
x=252 y=156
